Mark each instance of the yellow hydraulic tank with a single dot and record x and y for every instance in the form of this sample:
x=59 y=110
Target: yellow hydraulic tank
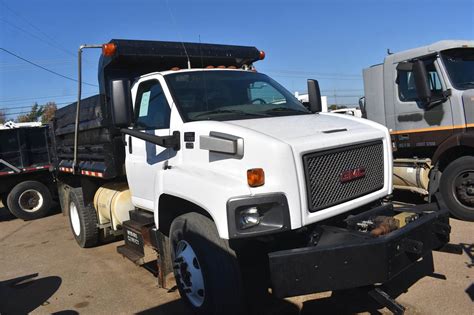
x=113 y=202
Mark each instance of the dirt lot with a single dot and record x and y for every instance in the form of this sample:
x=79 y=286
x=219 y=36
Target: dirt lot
x=64 y=279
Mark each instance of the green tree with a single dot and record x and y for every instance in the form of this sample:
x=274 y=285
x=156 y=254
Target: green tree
x=49 y=110
x=35 y=113
x=3 y=117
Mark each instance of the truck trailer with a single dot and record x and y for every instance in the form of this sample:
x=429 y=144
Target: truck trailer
x=425 y=96
x=189 y=151
x=26 y=184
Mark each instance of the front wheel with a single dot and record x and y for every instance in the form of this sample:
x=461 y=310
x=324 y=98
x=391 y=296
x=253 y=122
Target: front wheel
x=457 y=187
x=205 y=267
x=29 y=200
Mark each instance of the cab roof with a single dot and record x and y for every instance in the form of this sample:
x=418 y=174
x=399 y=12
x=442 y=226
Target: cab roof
x=429 y=49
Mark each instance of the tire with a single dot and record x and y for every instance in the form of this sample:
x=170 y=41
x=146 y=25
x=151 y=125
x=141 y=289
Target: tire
x=82 y=219
x=205 y=265
x=457 y=187
x=29 y=200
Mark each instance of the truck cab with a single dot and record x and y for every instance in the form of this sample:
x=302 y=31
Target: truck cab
x=215 y=166
x=425 y=96
x=232 y=122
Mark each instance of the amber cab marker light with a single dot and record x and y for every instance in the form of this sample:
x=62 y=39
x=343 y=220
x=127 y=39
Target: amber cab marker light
x=109 y=49
x=255 y=177
x=261 y=55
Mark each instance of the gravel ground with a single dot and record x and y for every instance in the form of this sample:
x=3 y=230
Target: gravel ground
x=64 y=279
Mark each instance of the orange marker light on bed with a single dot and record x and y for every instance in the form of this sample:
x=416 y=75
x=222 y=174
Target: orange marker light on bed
x=109 y=49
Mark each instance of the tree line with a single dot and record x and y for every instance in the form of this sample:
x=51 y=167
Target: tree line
x=43 y=113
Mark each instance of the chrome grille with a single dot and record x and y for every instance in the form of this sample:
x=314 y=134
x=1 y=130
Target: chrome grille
x=324 y=171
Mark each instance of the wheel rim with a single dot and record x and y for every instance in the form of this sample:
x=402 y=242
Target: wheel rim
x=75 y=222
x=30 y=200
x=464 y=188
x=189 y=273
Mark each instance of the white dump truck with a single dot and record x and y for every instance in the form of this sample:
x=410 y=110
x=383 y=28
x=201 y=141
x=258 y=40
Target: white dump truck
x=190 y=151
x=425 y=96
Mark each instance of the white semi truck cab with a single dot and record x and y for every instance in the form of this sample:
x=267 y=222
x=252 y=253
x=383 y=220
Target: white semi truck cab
x=191 y=151
x=425 y=96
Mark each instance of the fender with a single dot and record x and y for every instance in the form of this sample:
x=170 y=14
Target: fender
x=456 y=140
x=206 y=188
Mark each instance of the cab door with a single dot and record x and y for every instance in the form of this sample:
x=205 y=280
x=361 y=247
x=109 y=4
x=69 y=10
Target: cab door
x=144 y=160
x=420 y=129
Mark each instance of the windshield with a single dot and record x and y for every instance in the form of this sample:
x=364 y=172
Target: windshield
x=460 y=66
x=230 y=95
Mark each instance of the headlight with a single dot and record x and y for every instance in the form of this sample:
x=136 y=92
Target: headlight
x=257 y=215
x=249 y=217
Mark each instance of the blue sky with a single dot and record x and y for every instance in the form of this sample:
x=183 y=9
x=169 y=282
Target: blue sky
x=331 y=41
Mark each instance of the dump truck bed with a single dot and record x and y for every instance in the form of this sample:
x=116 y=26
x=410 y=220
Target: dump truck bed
x=24 y=149
x=100 y=146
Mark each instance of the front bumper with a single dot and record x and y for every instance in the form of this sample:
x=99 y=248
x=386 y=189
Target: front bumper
x=344 y=258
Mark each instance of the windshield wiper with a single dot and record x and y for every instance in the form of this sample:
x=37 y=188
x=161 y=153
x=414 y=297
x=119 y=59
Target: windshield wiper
x=466 y=83
x=285 y=109
x=230 y=111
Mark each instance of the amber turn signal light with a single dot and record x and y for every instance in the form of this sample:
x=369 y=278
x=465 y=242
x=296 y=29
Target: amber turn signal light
x=109 y=49
x=261 y=55
x=255 y=177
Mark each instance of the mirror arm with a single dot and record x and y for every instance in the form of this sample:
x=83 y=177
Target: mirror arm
x=172 y=142
x=440 y=100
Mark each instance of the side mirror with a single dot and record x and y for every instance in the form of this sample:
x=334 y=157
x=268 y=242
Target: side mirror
x=420 y=74
x=362 y=107
x=314 y=96
x=121 y=99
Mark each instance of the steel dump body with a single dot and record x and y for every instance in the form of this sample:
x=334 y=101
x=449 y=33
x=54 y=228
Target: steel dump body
x=100 y=145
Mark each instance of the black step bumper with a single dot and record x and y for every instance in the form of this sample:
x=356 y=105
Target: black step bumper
x=345 y=258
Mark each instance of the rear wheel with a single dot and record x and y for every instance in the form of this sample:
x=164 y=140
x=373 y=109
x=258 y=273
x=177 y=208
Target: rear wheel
x=29 y=200
x=457 y=187
x=82 y=219
x=205 y=267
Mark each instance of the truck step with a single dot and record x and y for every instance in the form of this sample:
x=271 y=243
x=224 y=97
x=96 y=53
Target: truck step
x=131 y=254
x=142 y=216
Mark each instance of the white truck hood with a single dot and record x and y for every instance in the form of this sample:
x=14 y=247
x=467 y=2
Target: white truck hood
x=319 y=132
x=278 y=145
x=290 y=129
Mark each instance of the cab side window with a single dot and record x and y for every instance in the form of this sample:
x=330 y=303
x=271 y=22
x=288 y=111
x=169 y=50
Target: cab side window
x=152 y=110
x=407 y=87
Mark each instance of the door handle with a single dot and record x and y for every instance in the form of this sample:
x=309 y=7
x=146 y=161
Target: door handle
x=130 y=150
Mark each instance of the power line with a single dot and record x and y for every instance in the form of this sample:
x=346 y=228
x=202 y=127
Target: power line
x=301 y=72
x=41 y=67
x=35 y=36
x=51 y=41
x=29 y=106
x=15 y=102
x=275 y=74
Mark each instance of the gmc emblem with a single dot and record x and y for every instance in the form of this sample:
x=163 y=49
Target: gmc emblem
x=351 y=175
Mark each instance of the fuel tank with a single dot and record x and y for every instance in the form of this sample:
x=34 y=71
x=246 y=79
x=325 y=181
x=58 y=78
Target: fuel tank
x=412 y=174
x=113 y=202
